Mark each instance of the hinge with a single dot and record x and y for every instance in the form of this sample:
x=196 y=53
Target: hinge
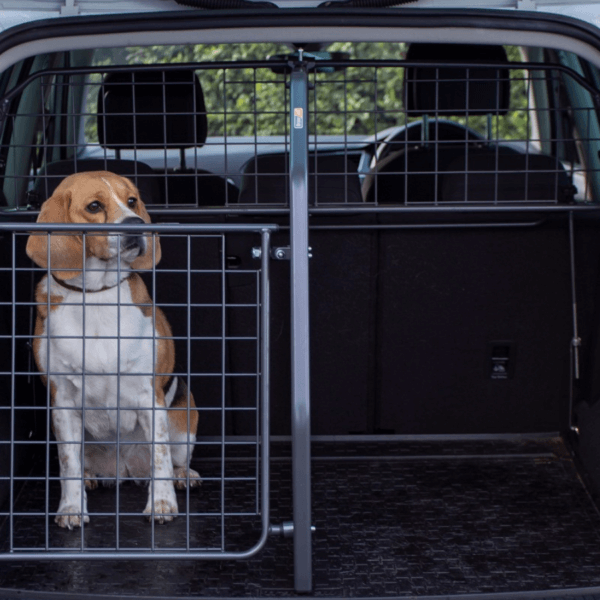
x=69 y=9
x=282 y=253
x=286 y=529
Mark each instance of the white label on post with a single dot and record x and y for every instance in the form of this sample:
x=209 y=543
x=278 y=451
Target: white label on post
x=298 y=118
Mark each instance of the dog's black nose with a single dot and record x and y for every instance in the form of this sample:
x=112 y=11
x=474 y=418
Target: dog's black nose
x=133 y=221
x=132 y=240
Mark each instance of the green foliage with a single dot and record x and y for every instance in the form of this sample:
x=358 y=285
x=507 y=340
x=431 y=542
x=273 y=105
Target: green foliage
x=252 y=101
x=240 y=101
x=359 y=100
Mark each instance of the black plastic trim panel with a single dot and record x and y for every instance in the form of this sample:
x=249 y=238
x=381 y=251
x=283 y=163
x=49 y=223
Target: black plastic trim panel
x=579 y=594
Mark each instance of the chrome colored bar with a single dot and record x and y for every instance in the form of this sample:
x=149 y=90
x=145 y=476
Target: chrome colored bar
x=300 y=329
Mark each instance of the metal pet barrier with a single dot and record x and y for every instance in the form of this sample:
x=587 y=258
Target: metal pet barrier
x=436 y=157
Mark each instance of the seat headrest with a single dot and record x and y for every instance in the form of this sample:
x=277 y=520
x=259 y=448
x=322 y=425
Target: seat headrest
x=456 y=91
x=151 y=109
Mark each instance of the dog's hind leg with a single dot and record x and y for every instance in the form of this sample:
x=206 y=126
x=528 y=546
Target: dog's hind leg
x=162 y=502
x=183 y=424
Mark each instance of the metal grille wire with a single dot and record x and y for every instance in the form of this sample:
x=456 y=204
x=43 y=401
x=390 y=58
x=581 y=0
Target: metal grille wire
x=237 y=158
x=219 y=318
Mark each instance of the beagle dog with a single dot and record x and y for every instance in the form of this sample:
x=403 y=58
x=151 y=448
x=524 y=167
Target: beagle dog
x=107 y=353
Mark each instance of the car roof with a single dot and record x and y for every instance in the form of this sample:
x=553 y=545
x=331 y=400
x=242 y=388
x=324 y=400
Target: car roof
x=16 y=12
x=33 y=27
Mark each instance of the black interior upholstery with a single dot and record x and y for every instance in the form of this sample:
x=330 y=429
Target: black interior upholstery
x=456 y=90
x=505 y=177
x=151 y=109
x=439 y=170
x=333 y=178
x=142 y=110
x=417 y=174
x=140 y=173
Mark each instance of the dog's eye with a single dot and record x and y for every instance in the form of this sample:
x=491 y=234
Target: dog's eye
x=93 y=207
x=131 y=202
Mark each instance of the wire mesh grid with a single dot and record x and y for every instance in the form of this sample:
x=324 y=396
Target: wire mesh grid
x=218 y=325
x=473 y=134
x=470 y=133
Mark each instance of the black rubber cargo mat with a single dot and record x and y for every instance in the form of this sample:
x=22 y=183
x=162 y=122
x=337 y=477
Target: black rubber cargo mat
x=392 y=519
x=32 y=530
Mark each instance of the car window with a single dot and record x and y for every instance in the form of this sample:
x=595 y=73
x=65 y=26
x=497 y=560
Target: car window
x=357 y=108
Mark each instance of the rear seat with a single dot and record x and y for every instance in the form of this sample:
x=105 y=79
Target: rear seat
x=140 y=173
x=145 y=110
x=176 y=120
x=333 y=179
x=506 y=177
x=442 y=170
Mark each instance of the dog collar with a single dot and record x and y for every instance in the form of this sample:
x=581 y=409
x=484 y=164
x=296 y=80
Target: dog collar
x=74 y=288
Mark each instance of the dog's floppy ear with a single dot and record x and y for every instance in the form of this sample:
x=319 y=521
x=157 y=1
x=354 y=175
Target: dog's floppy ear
x=65 y=249
x=150 y=257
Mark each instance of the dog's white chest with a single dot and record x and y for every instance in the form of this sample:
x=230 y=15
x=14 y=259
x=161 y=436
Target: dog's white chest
x=118 y=337
x=100 y=352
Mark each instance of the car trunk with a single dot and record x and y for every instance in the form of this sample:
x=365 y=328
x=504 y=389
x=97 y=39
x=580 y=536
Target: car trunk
x=438 y=436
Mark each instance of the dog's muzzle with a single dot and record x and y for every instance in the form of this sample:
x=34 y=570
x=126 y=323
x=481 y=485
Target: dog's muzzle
x=131 y=241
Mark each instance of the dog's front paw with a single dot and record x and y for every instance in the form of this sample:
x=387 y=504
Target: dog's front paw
x=69 y=517
x=181 y=478
x=164 y=511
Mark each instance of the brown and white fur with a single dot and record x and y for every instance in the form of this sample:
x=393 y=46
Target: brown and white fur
x=124 y=334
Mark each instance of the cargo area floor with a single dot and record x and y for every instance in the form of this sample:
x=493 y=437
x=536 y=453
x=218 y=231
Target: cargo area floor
x=397 y=518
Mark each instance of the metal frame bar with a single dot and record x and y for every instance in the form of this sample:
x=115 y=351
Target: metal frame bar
x=254 y=64
x=358 y=209
x=576 y=339
x=300 y=327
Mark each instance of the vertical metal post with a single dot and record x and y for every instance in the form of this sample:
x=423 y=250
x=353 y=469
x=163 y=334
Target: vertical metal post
x=300 y=327
x=576 y=340
x=265 y=377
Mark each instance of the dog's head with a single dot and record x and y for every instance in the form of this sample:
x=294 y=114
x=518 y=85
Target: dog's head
x=91 y=198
